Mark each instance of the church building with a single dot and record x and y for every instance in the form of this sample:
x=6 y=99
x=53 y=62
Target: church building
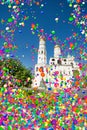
x=58 y=73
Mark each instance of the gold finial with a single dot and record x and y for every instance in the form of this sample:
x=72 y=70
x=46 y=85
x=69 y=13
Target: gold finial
x=42 y=37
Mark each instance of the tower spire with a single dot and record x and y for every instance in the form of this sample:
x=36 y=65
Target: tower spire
x=42 y=58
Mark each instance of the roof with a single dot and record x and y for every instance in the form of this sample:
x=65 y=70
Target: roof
x=42 y=37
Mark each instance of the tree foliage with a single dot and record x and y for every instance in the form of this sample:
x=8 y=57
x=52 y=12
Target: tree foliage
x=14 y=67
x=75 y=73
x=81 y=78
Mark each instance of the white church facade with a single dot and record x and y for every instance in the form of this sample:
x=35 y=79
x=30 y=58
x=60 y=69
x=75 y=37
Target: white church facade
x=58 y=73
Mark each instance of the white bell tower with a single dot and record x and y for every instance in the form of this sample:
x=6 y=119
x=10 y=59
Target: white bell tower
x=41 y=66
x=42 y=58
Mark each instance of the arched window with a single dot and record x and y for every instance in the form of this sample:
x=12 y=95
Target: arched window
x=53 y=59
x=36 y=68
x=41 y=52
x=64 y=59
x=71 y=63
x=59 y=62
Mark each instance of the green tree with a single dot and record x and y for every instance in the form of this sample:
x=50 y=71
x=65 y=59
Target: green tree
x=83 y=77
x=75 y=73
x=14 y=67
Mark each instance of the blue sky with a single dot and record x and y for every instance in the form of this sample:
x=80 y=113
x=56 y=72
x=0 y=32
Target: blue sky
x=50 y=15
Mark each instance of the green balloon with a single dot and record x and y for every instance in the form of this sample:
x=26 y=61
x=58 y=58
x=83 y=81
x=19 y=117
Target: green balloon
x=71 y=19
x=5 y=43
x=1 y=128
x=9 y=127
x=36 y=102
x=10 y=117
x=10 y=108
x=78 y=110
x=4 y=68
x=53 y=32
x=10 y=20
x=73 y=47
x=65 y=126
x=2 y=89
x=5 y=74
x=7 y=50
x=61 y=124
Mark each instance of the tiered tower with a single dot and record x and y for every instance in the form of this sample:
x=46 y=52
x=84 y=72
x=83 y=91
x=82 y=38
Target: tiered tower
x=42 y=58
x=57 y=51
x=41 y=66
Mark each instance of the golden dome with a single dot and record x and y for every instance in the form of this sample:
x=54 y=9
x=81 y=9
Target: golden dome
x=42 y=37
x=56 y=46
